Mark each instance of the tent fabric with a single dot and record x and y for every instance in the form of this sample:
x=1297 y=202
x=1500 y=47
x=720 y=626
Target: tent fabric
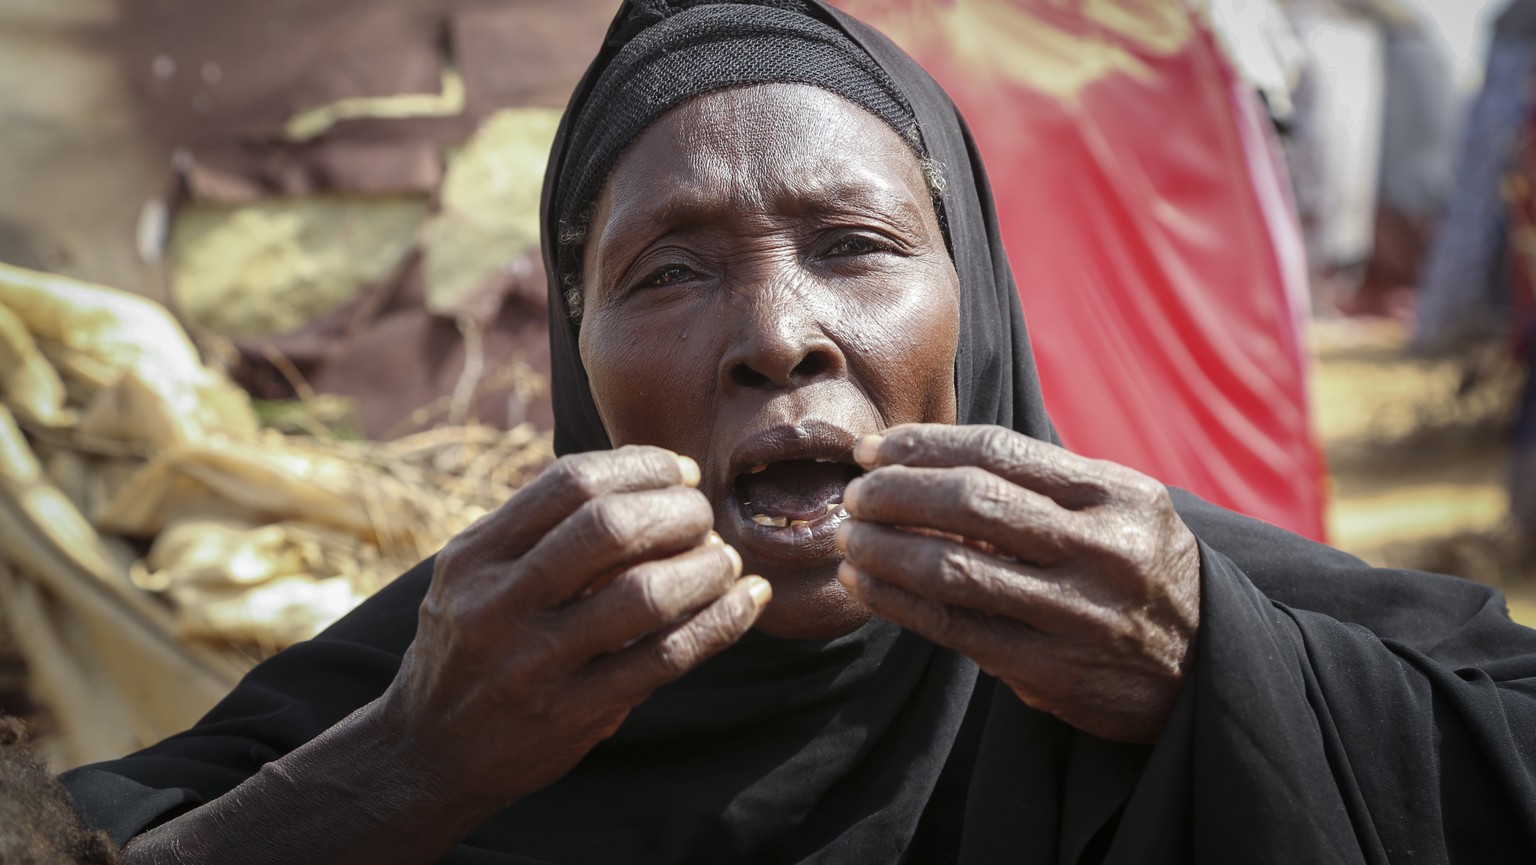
x=1147 y=217
x=220 y=85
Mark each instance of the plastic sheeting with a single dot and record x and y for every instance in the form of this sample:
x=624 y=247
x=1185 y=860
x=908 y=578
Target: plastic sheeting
x=1151 y=232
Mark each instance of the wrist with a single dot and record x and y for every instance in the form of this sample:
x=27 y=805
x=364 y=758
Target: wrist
x=404 y=781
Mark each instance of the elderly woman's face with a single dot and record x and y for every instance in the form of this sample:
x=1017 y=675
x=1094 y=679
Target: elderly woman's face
x=765 y=281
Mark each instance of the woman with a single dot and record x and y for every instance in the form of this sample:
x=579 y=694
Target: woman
x=780 y=292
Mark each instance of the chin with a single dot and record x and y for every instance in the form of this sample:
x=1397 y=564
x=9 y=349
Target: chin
x=808 y=604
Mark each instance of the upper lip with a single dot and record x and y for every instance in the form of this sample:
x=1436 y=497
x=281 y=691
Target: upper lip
x=810 y=439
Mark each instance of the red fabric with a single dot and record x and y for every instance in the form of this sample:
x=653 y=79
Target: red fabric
x=1148 y=224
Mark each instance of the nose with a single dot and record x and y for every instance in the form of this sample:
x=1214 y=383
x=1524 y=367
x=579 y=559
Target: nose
x=780 y=344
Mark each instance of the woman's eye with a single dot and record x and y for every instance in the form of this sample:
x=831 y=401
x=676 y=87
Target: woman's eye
x=668 y=276
x=856 y=244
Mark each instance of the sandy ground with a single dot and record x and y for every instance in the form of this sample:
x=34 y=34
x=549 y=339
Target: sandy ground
x=1418 y=457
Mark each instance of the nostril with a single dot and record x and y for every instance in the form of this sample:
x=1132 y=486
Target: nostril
x=745 y=376
x=811 y=366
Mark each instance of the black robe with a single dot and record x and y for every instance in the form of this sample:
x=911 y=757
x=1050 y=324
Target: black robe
x=1335 y=713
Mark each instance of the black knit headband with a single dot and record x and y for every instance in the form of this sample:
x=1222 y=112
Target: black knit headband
x=673 y=51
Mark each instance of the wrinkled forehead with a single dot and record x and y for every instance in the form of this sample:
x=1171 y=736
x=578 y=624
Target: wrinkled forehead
x=761 y=147
x=665 y=54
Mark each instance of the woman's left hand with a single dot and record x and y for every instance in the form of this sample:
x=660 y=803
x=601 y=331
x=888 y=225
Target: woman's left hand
x=1070 y=579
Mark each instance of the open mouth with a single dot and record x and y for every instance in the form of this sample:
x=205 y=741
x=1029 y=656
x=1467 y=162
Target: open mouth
x=796 y=494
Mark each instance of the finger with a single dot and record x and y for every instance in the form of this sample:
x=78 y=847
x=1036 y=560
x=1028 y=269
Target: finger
x=614 y=531
x=986 y=639
x=569 y=483
x=1065 y=678
x=633 y=673
x=953 y=574
x=972 y=503
x=648 y=597
x=1073 y=481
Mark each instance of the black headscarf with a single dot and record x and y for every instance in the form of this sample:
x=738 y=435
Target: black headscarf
x=1336 y=713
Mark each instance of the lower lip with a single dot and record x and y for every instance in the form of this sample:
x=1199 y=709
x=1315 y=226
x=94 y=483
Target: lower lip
x=810 y=540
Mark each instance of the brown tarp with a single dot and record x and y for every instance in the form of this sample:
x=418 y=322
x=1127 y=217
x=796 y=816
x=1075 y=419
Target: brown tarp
x=404 y=364
x=219 y=82
x=221 y=85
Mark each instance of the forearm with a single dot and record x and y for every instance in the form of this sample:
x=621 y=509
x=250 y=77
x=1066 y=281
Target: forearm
x=356 y=793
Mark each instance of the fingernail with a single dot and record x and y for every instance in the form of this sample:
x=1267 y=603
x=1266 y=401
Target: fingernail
x=735 y=558
x=760 y=591
x=847 y=575
x=867 y=451
x=689 y=470
x=713 y=539
x=851 y=494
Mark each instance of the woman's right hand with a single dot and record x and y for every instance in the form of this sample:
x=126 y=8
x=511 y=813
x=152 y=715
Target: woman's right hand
x=549 y=619
x=546 y=622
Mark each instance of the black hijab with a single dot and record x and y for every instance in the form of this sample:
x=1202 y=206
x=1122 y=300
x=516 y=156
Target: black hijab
x=1336 y=713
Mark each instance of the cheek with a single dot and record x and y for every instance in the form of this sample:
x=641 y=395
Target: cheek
x=903 y=347
x=645 y=379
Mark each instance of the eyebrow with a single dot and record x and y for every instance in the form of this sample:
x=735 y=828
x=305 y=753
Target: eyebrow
x=681 y=208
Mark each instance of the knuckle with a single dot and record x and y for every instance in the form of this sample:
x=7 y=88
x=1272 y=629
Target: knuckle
x=577 y=476
x=900 y=445
x=675 y=653
x=642 y=593
x=953 y=567
x=456 y=560
x=979 y=494
x=1140 y=491
x=995 y=441
x=856 y=537
x=873 y=487
x=435 y=615
x=637 y=451
x=448 y=560
x=719 y=570
x=742 y=612
x=656 y=463
x=607 y=523
x=675 y=510
x=694 y=506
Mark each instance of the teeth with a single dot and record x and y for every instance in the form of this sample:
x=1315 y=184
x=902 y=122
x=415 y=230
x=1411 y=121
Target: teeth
x=834 y=507
x=797 y=523
x=823 y=459
x=756 y=469
x=765 y=520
